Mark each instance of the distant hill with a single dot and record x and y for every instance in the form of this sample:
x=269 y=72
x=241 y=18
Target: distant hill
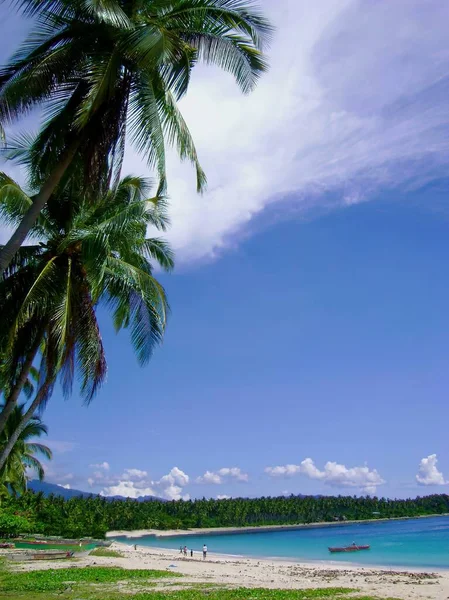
x=52 y=488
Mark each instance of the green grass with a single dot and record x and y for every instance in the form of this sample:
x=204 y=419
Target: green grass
x=57 y=580
x=106 y=552
x=111 y=583
x=50 y=546
x=246 y=594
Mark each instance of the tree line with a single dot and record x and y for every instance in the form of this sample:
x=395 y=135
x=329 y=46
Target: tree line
x=95 y=515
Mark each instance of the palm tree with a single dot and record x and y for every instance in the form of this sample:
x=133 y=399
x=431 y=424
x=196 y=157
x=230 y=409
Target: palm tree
x=89 y=254
x=115 y=66
x=25 y=452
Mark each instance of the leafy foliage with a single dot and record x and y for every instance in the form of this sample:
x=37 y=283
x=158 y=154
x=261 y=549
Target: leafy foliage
x=56 y=580
x=105 y=68
x=11 y=525
x=95 y=515
x=88 y=254
x=25 y=452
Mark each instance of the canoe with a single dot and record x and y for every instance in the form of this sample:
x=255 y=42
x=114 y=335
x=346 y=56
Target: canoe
x=352 y=548
x=51 y=555
x=3 y=545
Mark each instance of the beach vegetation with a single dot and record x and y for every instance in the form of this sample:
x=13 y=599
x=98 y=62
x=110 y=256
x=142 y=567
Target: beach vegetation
x=95 y=515
x=106 y=552
x=87 y=255
x=26 y=452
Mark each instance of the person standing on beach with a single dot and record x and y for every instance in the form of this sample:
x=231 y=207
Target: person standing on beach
x=180 y=549
x=185 y=551
x=204 y=551
x=191 y=553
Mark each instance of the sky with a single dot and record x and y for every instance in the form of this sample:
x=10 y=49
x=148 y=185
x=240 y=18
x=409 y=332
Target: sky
x=307 y=348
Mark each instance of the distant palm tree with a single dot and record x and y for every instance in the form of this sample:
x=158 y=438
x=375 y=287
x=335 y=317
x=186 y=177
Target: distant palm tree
x=25 y=452
x=88 y=254
x=112 y=67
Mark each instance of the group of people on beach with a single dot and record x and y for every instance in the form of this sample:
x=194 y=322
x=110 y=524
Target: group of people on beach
x=183 y=550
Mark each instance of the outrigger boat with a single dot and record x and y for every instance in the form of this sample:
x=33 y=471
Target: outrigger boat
x=352 y=548
x=51 y=555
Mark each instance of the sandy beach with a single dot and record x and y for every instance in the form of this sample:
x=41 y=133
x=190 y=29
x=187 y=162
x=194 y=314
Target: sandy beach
x=245 y=572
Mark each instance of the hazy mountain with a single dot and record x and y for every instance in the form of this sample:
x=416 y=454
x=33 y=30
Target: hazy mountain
x=57 y=490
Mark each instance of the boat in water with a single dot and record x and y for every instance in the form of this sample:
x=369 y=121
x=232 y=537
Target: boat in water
x=352 y=548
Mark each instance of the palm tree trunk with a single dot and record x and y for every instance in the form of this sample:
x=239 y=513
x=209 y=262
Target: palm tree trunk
x=39 y=398
x=39 y=201
x=11 y=401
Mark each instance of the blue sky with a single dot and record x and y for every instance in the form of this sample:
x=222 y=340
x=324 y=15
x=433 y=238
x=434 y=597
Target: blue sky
x=307 y=348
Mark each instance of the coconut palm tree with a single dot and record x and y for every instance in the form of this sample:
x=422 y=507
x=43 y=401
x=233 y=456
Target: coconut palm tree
x=110 y=68
x=89 y=254
x=25 y=453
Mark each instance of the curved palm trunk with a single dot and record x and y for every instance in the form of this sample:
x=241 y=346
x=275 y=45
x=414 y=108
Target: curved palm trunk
x=40 y=397
x=39 y=201
x=11 y=401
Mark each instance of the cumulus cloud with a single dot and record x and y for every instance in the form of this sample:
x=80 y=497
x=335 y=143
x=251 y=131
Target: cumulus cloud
x=132 y=474
x=135 y=483
x=355 y=100
x=65 y=486
x=428 y=473
x=104 y=465
x=223 y=497
x=90 y=481
x=334 y=474
x=223 y=475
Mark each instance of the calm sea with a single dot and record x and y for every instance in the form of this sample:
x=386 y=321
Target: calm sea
x=412 y=543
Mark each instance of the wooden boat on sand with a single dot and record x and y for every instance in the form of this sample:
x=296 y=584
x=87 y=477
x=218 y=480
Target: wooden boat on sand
x=51 y=555
x=6 y=545
x=352 y=548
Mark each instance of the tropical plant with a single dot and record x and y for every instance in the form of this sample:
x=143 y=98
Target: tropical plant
x=94 y=515
x=25 y=451
x=89 y=253
x=105 y=69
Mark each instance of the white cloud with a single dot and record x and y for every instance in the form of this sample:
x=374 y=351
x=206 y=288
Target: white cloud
x=65 y=486
x=353 y=102
x=176 y=476
x=128 y=490
x=104 y=465
x=223 y=475
x=283 y=471
x=134 y=483
x=90 y=481
x=428 y=473
x=132 y=474
x=334 y=474
x=223 y=497
x=209 y=477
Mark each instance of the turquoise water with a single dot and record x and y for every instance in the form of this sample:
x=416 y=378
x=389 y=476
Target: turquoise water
x=411 y=543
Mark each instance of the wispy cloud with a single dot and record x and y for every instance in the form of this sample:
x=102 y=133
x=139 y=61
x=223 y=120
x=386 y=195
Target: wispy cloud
x=356 y=100
x=104 y=465
x=61 y=447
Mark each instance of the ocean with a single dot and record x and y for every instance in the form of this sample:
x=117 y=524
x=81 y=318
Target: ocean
x=410 y=543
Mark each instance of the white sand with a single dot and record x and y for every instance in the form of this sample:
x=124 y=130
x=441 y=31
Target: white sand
x=245 y=572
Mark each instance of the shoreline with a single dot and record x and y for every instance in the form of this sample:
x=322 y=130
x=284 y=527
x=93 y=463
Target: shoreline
x=220 y=571
x=323 y=564
x=138 y=533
